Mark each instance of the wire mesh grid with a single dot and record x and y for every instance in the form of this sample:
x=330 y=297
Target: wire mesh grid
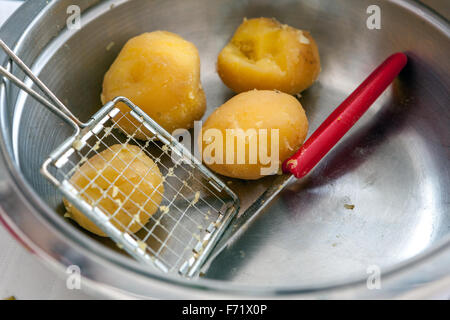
x=177 y=206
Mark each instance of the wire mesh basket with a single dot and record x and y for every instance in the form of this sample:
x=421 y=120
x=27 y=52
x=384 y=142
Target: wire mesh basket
x=195 y=206
x=169 y=210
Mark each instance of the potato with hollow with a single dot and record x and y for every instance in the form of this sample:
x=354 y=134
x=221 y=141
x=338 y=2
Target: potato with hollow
x=160 y=73
x=265 y=54
x=129 y=178
x=251 y=134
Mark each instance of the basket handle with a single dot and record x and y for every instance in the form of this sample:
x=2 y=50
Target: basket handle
x=344 y=117
x=54 y=105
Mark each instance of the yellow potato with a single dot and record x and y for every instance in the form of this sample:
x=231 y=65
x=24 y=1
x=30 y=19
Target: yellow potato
x=256 y=113
x=130 y=178
x=159 y=72
x=264 y=54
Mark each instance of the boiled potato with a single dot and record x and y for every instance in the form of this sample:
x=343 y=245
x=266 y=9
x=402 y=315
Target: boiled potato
x=237 y=139
x=160 y=73
x=129 y=178
x=264 y=54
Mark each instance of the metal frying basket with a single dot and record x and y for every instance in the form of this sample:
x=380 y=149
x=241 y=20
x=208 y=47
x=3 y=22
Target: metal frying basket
x=196 y=206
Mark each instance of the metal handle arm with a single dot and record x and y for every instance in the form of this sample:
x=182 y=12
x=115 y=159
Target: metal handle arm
x=56 y=106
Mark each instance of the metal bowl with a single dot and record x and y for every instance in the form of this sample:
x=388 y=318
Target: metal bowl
x=393 y=166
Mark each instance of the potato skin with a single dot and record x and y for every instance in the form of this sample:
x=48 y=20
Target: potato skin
x=160 y=73
x=142 y=174
x=258 y=109
x=264 y=54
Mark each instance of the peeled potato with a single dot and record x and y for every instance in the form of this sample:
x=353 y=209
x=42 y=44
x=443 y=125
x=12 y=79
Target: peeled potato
x=251 y=111
x=160 y=73
x=264 y=54
x=130 y=177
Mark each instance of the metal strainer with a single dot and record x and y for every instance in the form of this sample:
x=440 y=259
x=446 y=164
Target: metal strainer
x=196 y=206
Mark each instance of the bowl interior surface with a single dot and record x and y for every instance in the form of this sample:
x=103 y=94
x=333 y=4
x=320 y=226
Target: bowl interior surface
x=392 y=166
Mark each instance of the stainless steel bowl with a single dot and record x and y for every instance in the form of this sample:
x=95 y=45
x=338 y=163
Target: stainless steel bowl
x=393 y=166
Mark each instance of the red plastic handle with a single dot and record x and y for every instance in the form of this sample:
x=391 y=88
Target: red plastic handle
x=344 y=117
